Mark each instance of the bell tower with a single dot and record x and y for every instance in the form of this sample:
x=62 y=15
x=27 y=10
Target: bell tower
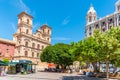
x=24 y=23
x=91 y=15
x=117 y=5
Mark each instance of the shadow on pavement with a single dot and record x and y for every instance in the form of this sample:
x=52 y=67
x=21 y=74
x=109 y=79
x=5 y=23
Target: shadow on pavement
x=80 y=78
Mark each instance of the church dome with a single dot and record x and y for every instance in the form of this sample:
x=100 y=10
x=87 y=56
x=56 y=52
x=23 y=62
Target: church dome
x=91 y=10
x=117 y=3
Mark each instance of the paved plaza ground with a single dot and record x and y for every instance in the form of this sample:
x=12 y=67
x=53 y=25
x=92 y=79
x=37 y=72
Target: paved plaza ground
x=47 y=76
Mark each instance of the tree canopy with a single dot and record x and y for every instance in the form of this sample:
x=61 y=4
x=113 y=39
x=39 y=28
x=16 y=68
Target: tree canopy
x=58 y=54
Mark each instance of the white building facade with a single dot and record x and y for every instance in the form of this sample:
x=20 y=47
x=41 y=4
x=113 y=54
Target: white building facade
x=103 y=24
x=29 y=45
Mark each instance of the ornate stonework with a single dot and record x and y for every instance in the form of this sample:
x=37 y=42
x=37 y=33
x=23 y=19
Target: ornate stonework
x=103 y=24
x=29 y=45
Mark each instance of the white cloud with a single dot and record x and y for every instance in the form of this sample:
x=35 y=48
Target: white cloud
x=20 y=5
x=37 y=24
x=14 y=27
x=66 y=20
x=61 y=38
x=23 y=6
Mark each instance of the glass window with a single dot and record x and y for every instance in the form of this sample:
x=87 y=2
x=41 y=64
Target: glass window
x=48 y=31
x=26 y=54
x=90 y=28
x=26 y=44
x=37 y=55
x=103 y=30
x=20 y=30
x=33 y=45
x=97 y=26
x=20 y=19
x=43 y=30
x=32 y=54
x=119 y=18
x=90 y=19
x=27 y=21
x=42 y=47
x=38 y=46
x=90 y=34
x=48 y=39
x=27 y=31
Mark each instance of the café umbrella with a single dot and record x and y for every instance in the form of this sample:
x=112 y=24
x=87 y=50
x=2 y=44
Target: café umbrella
x=3 y=63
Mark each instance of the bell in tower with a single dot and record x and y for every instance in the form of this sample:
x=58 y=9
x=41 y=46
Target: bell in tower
x=24 y=23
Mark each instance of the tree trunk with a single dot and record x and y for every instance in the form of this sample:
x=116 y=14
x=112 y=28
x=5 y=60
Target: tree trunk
x=95 y=66
x=107 y=67
x=99 y=66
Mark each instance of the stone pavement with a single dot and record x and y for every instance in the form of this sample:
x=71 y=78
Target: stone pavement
x=48 y=76
x=82 y=78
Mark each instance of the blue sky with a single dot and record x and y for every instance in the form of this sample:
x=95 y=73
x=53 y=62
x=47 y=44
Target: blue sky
x=66 y=17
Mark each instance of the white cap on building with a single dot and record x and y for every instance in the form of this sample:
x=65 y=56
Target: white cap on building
x=117 y=4
x=91 y=15
x=91 y=10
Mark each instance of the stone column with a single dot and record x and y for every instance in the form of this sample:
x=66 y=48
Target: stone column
x=100 y=25
x=106 y=23
x=115 y=20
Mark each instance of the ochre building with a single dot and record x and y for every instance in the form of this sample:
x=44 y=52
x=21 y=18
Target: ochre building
x=26 y=45
x=29 y=45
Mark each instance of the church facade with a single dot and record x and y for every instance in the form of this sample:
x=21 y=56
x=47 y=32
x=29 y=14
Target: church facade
x=29 y=45
x=26 y=45
x=103 y=24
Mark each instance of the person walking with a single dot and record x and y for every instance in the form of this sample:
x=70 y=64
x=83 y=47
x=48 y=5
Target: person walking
x=0 y=70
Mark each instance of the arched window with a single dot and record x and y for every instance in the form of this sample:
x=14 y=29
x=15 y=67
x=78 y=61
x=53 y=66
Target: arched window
x=42 y=47
x=90 y=19
x=48 y=39
x=27 y=31
x=43 y=30
x=119 y=18
x=37 y=55
x=26 y=54
x=39 y=35
x=38 y=46
x=48 y=31
x=27 y=21
x=26 y=44
x=90 y=28
x=20 y=30
x=20 y=19
x=33 y=45
x=32 y=54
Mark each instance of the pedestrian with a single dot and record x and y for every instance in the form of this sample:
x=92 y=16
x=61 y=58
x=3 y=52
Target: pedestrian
x=5 y=71
x=84 y=73
x=22 y=70
x=0 y=70
x=87 y=73
x=90 y=73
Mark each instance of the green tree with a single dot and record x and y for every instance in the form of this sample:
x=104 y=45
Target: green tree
x=47 y=55
x=58 y=54
x=109 y=47
x=77 y=49
x=86 y=51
